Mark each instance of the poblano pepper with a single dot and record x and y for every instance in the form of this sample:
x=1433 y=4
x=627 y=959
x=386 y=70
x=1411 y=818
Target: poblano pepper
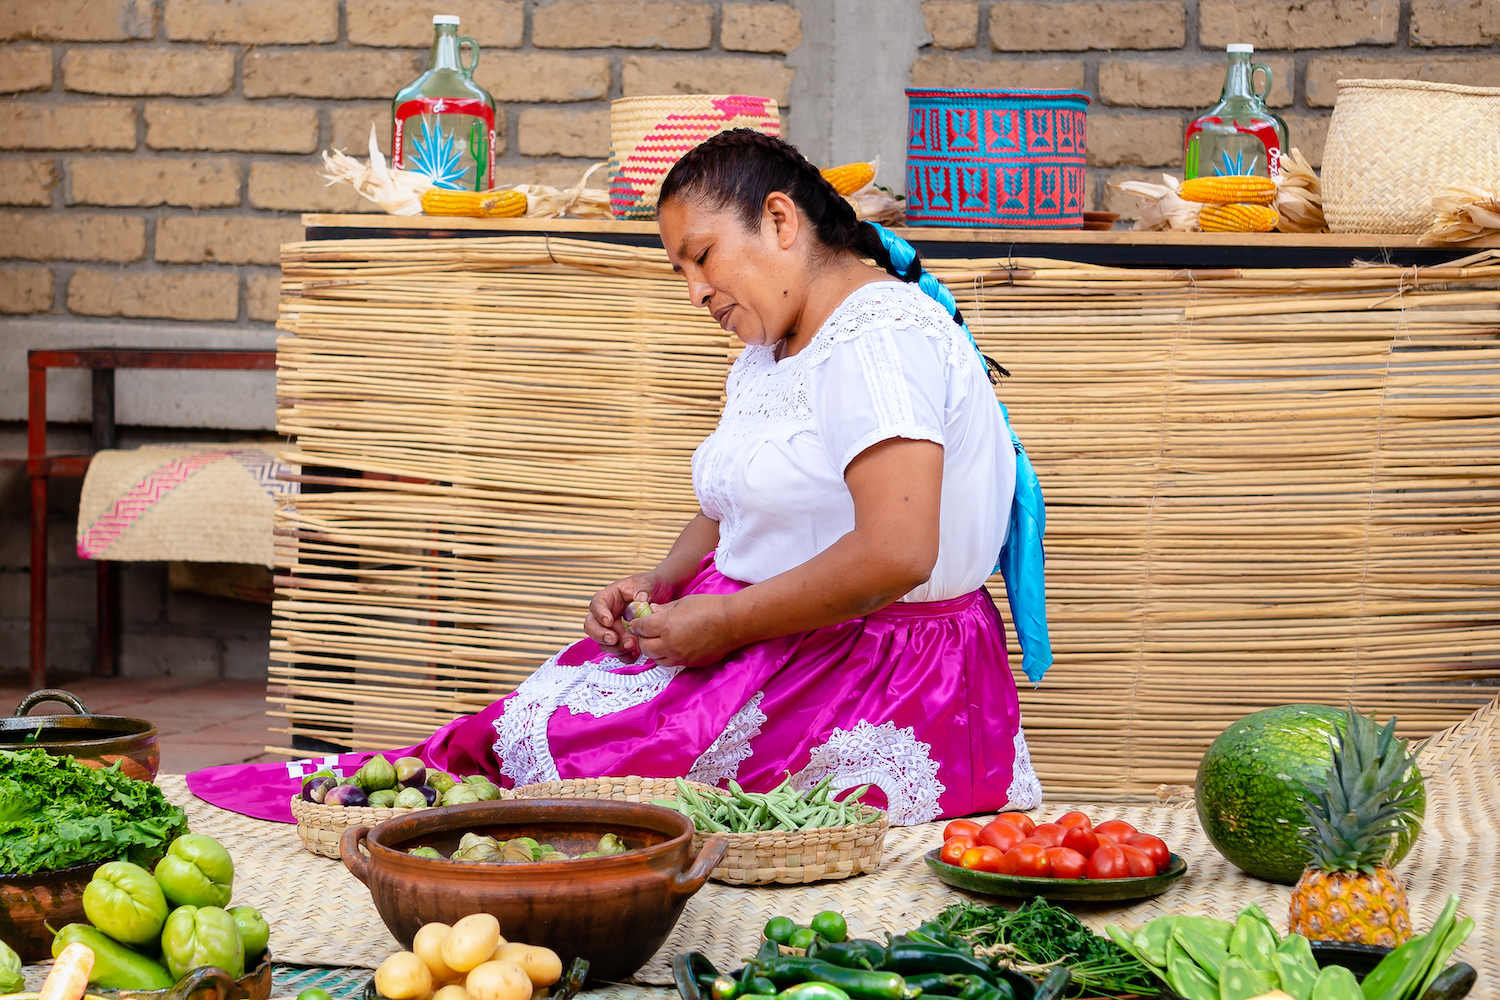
x=197 y=871
x=124 y=901
x=202 y=935
x=116 y=967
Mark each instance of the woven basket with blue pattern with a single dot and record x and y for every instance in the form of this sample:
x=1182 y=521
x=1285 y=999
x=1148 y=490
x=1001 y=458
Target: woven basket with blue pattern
x=1006 y=159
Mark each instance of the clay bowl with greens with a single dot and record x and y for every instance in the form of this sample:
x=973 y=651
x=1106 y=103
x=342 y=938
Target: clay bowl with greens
x=613 y=910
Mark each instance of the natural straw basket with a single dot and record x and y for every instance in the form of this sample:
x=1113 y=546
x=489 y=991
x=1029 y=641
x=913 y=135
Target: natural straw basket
x=320 y=826
x=1391 y=143
x=649 y=134
x=772 y=856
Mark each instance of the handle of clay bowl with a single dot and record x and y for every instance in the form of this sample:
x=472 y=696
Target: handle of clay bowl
x=355 y=860
x=35 y=698
x=206 y=982
x=708 y=859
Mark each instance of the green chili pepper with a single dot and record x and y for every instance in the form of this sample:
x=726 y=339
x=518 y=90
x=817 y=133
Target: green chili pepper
x=936 y=984
x=860 y=984
x=812 y=991
x=855 y=954
x=725 y=987
x=912 y=957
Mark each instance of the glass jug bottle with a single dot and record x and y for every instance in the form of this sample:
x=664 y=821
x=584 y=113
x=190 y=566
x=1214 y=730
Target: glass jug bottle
x=443 y=122
x=1239 y=135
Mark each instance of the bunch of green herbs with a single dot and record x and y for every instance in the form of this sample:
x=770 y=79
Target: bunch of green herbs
x=57 y=813
x=1037 y=935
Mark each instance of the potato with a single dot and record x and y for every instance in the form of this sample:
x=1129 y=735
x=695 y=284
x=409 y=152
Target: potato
x=403 y=976
x=541 y=964
x=428 y=944
x=498 y=981
x=470 y=942
x=453 y=991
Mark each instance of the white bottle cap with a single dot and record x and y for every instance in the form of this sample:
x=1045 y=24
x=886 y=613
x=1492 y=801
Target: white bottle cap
x=445 y=19
x=1237 y=47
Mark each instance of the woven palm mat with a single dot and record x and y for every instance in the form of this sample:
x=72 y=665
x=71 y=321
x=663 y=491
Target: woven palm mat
x=321 y=915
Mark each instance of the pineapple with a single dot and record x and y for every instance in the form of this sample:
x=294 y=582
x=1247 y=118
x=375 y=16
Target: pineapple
x=1348 y=891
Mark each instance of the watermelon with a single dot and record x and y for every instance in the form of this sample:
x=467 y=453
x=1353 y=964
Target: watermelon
x=1248 y=788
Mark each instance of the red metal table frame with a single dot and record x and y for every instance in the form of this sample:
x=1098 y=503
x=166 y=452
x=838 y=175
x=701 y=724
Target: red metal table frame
x=41 y=465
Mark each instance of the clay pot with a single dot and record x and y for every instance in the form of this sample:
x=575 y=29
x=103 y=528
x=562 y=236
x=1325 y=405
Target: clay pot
x=29 y=902
x=95 y=740
x=614 y=911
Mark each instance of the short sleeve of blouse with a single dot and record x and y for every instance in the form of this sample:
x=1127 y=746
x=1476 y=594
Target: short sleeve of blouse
x=879 y=383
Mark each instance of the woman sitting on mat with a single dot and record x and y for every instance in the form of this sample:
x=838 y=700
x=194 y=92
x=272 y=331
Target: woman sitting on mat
x=824 y=614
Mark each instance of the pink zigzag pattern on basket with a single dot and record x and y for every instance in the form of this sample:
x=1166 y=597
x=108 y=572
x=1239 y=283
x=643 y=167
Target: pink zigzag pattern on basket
x=125 y=511
x=677 y=133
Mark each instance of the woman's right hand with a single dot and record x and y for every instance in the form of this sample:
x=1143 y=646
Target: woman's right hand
x=604 y=623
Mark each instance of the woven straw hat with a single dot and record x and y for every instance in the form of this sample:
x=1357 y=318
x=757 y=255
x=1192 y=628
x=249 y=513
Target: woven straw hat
x=649 y=134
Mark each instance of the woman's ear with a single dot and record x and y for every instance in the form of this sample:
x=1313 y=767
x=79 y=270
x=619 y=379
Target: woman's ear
x=781 y=211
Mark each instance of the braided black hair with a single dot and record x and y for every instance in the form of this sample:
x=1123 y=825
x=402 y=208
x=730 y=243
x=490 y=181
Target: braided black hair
x=740 y=168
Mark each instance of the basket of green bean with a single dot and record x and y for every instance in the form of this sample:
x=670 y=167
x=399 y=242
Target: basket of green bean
x=782 y=836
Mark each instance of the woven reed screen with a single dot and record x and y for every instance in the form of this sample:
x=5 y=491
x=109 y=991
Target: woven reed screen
x=1262 y=486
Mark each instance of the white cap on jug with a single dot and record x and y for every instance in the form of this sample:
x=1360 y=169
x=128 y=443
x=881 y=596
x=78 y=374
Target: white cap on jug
x=1239 y=47
x=445 y=19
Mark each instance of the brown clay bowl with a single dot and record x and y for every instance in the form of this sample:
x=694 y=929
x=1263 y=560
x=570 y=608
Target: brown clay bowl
x=614 y=911
x=29 y=902
x=95 y=740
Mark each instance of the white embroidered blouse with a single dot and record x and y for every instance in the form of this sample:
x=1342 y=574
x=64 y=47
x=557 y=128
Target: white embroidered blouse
x=889 y=363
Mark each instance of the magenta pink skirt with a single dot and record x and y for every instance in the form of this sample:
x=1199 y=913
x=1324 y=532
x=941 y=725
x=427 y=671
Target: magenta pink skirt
x=916 y=700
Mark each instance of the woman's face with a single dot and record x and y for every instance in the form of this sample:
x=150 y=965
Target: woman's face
x=751 y=280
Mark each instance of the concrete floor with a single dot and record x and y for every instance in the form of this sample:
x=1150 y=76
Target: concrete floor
x=201 y=722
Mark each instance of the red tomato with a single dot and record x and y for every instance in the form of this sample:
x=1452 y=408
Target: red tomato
x=1041 y=842
x=1107 y=862
x=960 y=828
x=1138 y=862
x=1021 y=821
x=1066 y=862
x=1155 y=848
x=1104 y=839
x=1029 y=859
x=1116 y=829
x=1081 y=839
x=1073 y=819
x=1051 y=832
x=954 y=847
x=1001 y=835
x=983 y=859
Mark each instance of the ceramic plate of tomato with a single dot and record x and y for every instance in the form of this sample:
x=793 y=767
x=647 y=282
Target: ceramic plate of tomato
x=1066 y=859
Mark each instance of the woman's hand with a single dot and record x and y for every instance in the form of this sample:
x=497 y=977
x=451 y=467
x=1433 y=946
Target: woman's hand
x=692 y=632
x=604 y=623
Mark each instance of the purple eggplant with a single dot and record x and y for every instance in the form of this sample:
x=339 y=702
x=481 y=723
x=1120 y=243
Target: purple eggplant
x=346 y=795
x=411 y=772
x=317 y=789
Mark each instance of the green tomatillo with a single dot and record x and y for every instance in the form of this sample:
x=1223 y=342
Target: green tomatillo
x=124 y=901
x=202 y=935
x=197 y=871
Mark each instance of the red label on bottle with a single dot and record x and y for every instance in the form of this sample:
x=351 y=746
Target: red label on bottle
x=1224 y=162
x=441 y=145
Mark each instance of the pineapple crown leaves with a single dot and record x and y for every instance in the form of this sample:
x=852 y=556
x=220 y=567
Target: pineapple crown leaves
x=1366 y=799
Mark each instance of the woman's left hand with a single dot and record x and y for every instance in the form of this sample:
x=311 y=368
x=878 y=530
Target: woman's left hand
x=691 y=632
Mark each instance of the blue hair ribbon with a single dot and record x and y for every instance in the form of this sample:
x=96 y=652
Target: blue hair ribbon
x=1022 y=558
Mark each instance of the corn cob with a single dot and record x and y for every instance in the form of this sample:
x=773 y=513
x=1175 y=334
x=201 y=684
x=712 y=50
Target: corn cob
x=1237 y=218
x=483 y=204
x=1235 y=190
x=850 y=177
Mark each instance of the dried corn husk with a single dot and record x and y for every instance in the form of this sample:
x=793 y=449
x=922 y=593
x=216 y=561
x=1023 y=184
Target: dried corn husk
x=1463 y=213
x=579 y=201
x=1163 y=208
x=1299 y=196
x=399 y=192
x=876 y=202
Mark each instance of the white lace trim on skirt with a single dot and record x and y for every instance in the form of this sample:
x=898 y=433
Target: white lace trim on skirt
x=521 y=731
x=722 y=760
x=1025 y=791
x=891 y=759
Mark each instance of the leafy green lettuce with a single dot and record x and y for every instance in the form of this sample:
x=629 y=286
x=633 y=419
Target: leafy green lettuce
x=57 y=813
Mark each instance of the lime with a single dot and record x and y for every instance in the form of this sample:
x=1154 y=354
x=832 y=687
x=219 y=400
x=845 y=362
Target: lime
x=779 y=929
x=830 y=924
x=314 y=993
x=802 y=937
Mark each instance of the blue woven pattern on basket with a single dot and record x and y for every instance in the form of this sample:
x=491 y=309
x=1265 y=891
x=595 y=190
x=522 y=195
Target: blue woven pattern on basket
x=1005 y=159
